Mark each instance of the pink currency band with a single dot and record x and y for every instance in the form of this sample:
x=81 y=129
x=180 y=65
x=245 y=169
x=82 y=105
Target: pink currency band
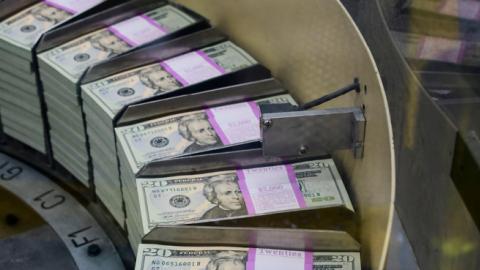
x=122 y=36
x=154 y=23
x=248 y=199
x=172 y=72
x=308 y=265
x=216 y=127
x=60 y=6
x=295 y=187
x=211 y=62
x=252 y=253
x=461 y=6
x=246 y=194
x=256 y=110
x=180 y=78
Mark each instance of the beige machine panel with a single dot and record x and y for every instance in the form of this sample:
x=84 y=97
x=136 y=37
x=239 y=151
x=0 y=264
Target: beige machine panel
x=313 y=47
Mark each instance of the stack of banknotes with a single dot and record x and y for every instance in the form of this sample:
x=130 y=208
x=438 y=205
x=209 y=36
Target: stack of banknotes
x=19 y=97
x=463 y=9
x=62 y=67
x=103 y=100
x=86 y=140
x=235 y=194
x=155 y=256
x=455 y=52
x=183 y=134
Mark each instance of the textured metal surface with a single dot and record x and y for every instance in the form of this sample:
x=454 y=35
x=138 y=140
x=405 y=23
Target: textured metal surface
x=296 y=239
x=39 y=248
x=466 y=171
x=225 y=160
x=15 y=216
x=319 y=131
x=439 y=226
x=313 y=46
x=400 y=252
x=72 y=223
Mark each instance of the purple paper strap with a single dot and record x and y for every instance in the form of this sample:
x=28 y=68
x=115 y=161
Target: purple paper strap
x=59 y=6
x=460 y=56
x=122 y=36
x=132 y=42
x=294 y=183
x=211 y=62
x=180 y=78
x=216 y=127
x=154 y=23
x=256 y=110
x=246 y=194
x=252 y=254
x=442 y=5
x=248 y=198
x=172 y=72
x=308 y=260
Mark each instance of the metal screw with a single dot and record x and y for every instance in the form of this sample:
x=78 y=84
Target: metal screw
x=11 y=220
x=302 y=150
x=267 y=123
x=94 y=250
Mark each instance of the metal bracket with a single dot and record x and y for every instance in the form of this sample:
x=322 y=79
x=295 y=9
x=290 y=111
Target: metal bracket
x=225 y=160
x=282 y=238
x=316 y=132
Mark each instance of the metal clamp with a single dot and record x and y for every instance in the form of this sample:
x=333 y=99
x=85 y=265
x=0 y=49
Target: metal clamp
x=316 y=132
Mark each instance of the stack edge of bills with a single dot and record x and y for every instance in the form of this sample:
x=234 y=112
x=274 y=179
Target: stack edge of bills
x=103 y=100
x=240 y=193
x=20 y=102
x=463 y=9
x=62 y=67
x=155 y=256
x=456 y=54
x=183 y=134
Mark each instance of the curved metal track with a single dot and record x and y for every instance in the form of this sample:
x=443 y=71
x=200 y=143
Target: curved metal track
x=68 y=229
x=429 y=205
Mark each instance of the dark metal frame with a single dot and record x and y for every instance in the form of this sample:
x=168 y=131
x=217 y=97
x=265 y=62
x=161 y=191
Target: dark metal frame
x=291 y=239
